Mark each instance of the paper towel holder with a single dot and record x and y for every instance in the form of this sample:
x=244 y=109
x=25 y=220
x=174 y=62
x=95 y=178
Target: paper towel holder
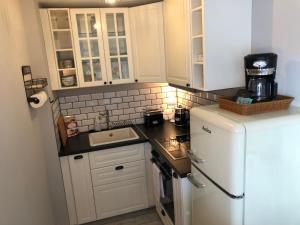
x=32 y=86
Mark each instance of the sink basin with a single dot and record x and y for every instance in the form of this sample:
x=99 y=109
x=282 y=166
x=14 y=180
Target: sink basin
x=112 y=136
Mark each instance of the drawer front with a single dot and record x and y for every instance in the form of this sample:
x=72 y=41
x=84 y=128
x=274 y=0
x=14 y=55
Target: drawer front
x=118 y=172
x=115 y=156
x=121 y=197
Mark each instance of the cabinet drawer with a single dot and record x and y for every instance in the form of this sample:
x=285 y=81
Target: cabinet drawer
x=121 y=197
x=118 y=172
x=116 y=156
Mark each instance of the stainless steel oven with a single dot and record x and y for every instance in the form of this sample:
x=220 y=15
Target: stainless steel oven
x=165 y=185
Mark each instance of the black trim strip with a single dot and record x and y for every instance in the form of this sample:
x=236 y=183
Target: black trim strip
x=222 y=189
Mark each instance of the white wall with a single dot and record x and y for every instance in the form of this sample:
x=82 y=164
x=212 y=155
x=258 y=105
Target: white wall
x=276 y=29
x=24 y=197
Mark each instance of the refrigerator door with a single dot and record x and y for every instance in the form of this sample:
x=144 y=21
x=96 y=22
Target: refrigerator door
x=211 y=206
x=218 y=149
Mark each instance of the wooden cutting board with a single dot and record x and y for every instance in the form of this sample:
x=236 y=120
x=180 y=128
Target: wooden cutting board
x=62 y=130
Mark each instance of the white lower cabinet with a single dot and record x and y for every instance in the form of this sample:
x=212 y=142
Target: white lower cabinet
x=121 y=197
x=97 y=188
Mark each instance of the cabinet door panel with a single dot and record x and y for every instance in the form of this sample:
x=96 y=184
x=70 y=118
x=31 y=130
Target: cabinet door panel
x=117 y=44
x=147 y=30
x=82 y=188
x=121 y=197
x=89 y=46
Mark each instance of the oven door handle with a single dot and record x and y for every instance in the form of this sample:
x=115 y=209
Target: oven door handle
x=194 y=158
x=194 y=182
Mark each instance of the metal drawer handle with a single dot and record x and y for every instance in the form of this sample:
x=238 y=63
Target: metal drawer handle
x=119 y=167
x=194 y=158
x=194 y=182
x=77 y=157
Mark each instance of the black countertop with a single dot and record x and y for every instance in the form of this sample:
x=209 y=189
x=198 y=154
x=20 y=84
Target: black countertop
x=80 y=144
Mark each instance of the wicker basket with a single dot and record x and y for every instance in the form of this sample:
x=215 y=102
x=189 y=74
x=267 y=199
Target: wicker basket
x=280 y=103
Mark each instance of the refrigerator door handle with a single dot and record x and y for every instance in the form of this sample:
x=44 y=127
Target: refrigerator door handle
x=194 y=182
x=194 y=158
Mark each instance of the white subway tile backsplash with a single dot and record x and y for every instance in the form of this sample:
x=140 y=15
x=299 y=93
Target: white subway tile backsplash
x=139 y=121
x=83 y=129
x=124 y=117
x=151 y=96
x=81 y=117
x=106 y=101
x=128 y=111
x=139 y=98
x=123 y=106
x=66 y=106
x=91 y=103
x=86 y=110
x=135 y=116
x=111 y=107
x=117 y=112
x=128 y=99
x=134 y=104
x=97 y=96
x=140 y=109
x=87 y=122
x=133 y=92
x=157 y=101
x=160 y=95
x=109 y=94
x=146 y=103
x=71 y=99
x=72 y=112
x=84 y=98
x=121 y=93
x=78 y=104
x=145 y=91
x=64 y=112
x=93 y=115
x=99 y=108
x=114 y=118
x=116 y=100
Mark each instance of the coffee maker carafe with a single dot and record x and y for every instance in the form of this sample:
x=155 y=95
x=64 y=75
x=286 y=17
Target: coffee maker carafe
x=260 y=71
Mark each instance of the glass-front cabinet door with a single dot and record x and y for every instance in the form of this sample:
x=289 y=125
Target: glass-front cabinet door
x=116 y=36
x=61 y=32
x=88 y=43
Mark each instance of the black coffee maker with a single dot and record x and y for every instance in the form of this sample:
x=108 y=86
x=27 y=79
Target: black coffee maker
x=260 y=71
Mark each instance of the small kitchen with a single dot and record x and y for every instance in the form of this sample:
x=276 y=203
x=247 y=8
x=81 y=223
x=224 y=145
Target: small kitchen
x=173 y=112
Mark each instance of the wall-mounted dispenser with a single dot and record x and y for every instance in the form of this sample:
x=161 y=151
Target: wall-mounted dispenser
x=35 y=94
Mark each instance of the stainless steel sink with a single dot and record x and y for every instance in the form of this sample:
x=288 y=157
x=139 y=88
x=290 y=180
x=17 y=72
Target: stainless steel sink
x=112 y=136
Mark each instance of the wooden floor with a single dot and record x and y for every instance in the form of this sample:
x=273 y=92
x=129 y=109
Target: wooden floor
x=144 y=217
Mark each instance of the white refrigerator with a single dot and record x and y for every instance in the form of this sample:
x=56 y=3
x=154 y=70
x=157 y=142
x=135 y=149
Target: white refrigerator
x=245 y=169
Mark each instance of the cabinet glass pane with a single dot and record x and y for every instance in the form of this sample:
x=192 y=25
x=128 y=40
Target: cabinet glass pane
x=122 y=46
x=80 y=18
x=65 y=59
x=62 y=39
x=124 y=68
x=94 y=48
x=59 y=19
x=84 y=49
x=113 y=50
x=97 y=69
x=86 y=67
x=120 y=24
x=110 y=20
x=115 y=68
x=68 y=78
x=92 y=25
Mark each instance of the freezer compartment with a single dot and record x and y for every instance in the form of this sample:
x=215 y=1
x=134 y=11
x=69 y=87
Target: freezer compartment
x=211 y=206
x=217 y=149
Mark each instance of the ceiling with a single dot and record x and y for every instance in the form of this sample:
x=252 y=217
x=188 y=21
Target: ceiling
x=90 y=3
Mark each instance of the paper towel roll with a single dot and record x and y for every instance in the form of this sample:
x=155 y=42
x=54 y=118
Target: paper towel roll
x=42 y=97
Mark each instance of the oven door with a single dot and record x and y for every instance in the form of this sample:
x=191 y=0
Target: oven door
x=163 y=185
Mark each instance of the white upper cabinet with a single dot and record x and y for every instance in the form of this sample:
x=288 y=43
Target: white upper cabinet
x=89 y=48
x=206 y=41
x=59 y=46
x=117 y=45
x=147 y=34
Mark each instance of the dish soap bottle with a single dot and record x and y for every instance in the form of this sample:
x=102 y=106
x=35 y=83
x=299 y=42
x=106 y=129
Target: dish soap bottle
x=98 y=123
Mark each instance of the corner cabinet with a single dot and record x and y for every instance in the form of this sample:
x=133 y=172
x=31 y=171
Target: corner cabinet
x=206 y=41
